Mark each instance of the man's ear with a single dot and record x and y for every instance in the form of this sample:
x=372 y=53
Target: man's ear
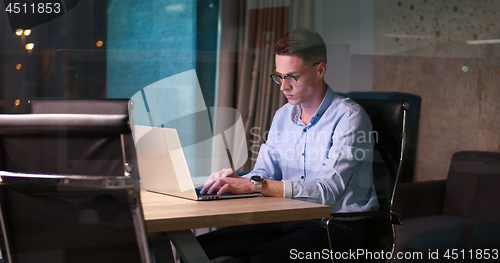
x=322 y=69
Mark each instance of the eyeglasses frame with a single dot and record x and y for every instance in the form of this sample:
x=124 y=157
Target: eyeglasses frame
x=296 y=78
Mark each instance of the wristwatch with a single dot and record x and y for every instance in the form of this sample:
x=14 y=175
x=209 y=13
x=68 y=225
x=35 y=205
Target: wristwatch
x=257 y=181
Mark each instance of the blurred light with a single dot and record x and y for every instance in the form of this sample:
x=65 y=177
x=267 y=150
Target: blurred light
x=18 y=66
x=17 y=102
x=99 y=43
x=465 y=69
x=30 y=46
x=27 y=32
x=482 y=42
x=19 y=32
x=176 y=8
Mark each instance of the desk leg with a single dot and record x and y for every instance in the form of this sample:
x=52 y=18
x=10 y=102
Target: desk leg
x=161 y=251
x=186 y=244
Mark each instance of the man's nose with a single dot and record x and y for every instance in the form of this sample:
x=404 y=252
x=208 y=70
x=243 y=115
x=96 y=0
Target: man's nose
x=285 y=85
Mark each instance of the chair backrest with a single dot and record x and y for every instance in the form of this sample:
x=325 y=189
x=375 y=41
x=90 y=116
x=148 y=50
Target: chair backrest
x=78 y=106
x=84 y=144
x=66 y=200
x=72 y=137
x=389 y=128
x=72 y=219
x=412 y=123
x=472 y=186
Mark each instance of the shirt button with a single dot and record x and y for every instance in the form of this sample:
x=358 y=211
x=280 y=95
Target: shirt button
x=303 y=154
x=302 y=177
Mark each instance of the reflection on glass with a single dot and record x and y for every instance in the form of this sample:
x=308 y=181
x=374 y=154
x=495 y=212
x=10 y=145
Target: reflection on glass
x=30 y=46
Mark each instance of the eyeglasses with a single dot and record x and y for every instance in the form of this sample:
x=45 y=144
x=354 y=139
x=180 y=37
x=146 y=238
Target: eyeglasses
x=290 y=79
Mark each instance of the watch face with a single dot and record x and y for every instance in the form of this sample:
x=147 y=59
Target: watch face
x=257 y=178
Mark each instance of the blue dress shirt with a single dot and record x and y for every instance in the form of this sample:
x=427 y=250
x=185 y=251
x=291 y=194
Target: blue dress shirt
x=328 y=161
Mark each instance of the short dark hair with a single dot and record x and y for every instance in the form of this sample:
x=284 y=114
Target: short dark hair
x=304 y=43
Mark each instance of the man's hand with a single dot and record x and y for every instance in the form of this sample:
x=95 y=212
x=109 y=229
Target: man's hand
x=216 y=176
x=232 y=185
x=227 y=181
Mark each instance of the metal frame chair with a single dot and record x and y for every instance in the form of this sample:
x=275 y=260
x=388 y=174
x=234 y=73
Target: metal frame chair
x=389 y=122
x=68 y=194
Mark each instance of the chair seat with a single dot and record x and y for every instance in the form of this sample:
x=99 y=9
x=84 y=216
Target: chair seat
x=446 y=232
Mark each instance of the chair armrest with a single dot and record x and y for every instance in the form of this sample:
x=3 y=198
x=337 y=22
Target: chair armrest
x=375 y=214
x=419 y=198
x=393 y=217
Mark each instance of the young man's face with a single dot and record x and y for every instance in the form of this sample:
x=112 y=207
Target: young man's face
x=307 y=87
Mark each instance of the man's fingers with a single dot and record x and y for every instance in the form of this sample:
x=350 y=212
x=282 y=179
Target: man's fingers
x=216 y=185
x=223 y=189
x=208 y=183
x=212 y=184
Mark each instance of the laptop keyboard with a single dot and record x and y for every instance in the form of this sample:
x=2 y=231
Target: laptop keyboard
x=198 y=190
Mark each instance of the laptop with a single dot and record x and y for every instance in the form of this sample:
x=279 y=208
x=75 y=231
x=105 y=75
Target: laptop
x=163 y=167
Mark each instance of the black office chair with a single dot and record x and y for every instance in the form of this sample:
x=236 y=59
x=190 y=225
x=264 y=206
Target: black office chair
x=56 y=205
x=412 y=124
x=83 y=144
x=102 y=150
x=389 y=125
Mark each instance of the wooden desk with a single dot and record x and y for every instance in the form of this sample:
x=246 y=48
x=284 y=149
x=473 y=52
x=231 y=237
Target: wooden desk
x=178 y=216
x=165 y=213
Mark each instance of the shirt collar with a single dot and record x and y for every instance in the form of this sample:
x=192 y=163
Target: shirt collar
x=327 y=100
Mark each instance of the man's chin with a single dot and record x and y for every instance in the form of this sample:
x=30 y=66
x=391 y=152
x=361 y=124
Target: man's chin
x=292 y=101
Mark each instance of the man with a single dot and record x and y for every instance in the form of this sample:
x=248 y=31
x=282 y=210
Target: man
x=318 y=149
